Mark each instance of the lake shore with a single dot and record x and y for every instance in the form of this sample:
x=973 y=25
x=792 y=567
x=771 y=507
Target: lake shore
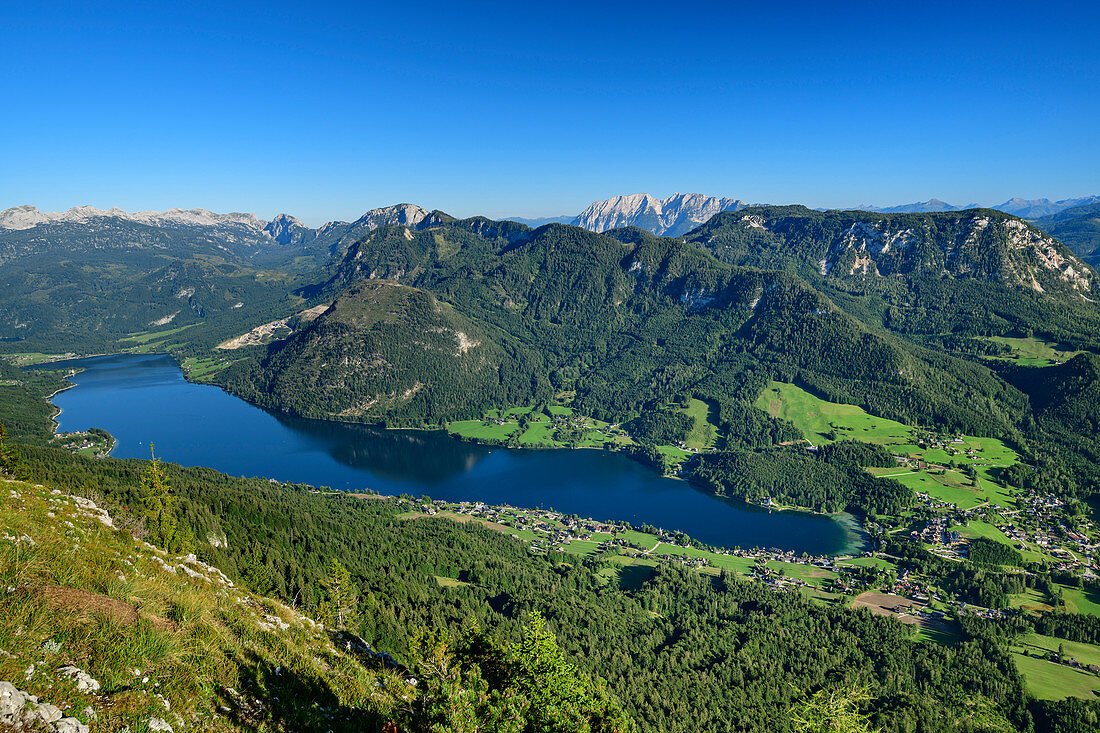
x=144 y=398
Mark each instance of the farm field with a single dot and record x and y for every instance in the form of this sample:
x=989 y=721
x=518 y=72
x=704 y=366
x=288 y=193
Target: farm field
x=500 y=425
x=953 y=487
x=479 y=430
x=810 y=574
x=201 y=369
x=825 y=422
x=29 y=358
x=1086 y=654
x=977 y=529
x=883 y=604
x=869 y=562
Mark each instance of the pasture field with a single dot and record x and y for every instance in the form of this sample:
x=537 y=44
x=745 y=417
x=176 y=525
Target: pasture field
x=943 y=634
x=825 y=422
x=704 y=434
x=639 y=538
x=480 y=430
x=145 y=337
x=201 y=369
x=1080 y=600
x=1033 y=351
x=1052 y=681
x=869 y=562
x=1086 y=654
x=810 y=574
x=977 y=529
x=953 y=487
x=821 y=596
x=673 y=452
x=28 y=358
x=539 y=432
x=1031 y=600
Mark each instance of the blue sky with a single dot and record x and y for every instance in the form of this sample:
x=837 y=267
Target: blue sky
x=324 y=110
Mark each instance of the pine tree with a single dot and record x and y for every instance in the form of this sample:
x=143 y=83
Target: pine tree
x=339 y=610
x=9 y=462
x=160 y=508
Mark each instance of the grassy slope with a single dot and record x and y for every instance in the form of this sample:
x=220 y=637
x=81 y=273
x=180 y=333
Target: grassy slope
x=824 y=422
x=1052 y=681
x=704 y=433
x=538 y=434
x=1049 y=680
x=1034 y=351
x=191 y=635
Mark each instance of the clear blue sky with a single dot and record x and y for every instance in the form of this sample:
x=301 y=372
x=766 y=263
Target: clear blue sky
x=324 y=110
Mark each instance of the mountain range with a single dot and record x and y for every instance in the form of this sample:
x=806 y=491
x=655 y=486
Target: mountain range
x=1023 y=208
x=672 y=216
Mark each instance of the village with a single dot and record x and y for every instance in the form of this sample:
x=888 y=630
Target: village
x=868 y=579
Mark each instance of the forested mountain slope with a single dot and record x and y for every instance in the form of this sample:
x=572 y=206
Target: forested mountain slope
x=980 y=244
x=625 y=320
x=932 y=277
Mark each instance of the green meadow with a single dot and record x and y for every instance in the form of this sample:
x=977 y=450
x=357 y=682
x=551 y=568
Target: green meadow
x=825 y=422
x=704 y=434
x=1033 y=351
x=1048 y=680
x=146 y=337
x=1081 y=600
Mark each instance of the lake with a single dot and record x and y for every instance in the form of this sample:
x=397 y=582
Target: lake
x=143 y=399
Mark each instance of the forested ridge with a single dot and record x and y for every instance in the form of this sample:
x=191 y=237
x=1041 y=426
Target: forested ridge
x=647 y=320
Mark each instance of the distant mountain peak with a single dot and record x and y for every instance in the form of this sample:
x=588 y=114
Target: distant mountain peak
x=1023 y=208
x=27 y=216
x=672 y=216
x=404 y=214
x=920 y=207
x=1036 y=208
x=285 y=229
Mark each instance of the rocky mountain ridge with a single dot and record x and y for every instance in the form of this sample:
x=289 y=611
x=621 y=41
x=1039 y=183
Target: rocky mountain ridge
x=672 y=216
x=27 y=217
x=980 y=244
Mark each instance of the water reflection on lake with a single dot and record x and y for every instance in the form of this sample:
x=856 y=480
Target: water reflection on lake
x=141 y=398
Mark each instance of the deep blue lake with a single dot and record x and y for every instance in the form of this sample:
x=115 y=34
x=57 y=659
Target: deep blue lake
x=144 y=398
